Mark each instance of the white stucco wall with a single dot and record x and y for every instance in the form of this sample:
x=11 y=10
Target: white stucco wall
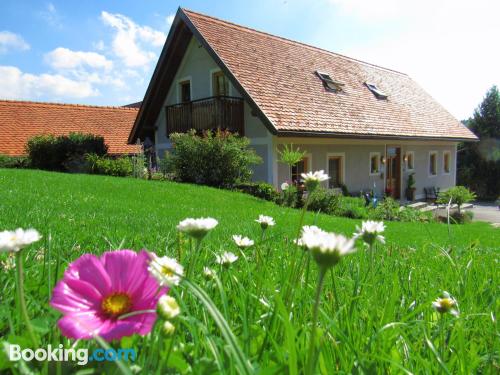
x=356 y=154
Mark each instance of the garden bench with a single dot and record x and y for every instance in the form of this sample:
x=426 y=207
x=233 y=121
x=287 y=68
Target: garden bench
x=431 y=193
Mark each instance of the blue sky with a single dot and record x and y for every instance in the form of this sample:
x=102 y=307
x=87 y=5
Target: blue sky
x=104 y=52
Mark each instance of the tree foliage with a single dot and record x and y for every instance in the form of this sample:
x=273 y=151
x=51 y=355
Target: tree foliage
x=479 y=162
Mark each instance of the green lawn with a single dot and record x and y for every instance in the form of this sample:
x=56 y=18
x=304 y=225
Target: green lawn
x=374 y=318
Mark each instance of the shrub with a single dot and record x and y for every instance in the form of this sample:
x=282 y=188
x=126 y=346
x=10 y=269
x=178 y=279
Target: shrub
x=139 y=169
x=120 y=167
x=260 y=190
x=13 y=162
x=351 y=207
x=457 y=195
x=290 y=197
x=387 y=209
x=412 y=215
x=324 y=200
x=218 y=158
x=57 y=153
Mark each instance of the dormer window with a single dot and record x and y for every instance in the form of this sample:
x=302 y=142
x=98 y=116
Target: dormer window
x=329 y=83
x=379 y=94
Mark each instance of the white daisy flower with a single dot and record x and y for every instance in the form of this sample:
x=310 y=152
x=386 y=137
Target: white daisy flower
x=168 y=308
x=265 y=221
x=242 y=242
x=446 y=304
x=226 y=258
x=312 y=179
x=326 y=248
x=209 y=273
x=197 y=228
x=168 y=328
x=284 y=186
x=370 y=232
x=167 y=271
x=13 y=241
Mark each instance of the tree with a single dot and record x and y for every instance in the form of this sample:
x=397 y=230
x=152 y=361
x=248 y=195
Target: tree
x=479 y=162
x=486 y=120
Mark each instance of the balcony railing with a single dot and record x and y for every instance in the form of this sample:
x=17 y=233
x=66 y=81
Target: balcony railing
x=224 y=112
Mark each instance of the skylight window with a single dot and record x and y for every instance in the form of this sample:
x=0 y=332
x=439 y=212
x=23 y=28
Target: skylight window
x=329 y=83
x=379 y=94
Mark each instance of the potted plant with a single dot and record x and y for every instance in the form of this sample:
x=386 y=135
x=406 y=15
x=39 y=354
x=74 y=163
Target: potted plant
x=410 y=190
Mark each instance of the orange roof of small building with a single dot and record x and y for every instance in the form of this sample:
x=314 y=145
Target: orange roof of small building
x=278 y=77
x=21 y=120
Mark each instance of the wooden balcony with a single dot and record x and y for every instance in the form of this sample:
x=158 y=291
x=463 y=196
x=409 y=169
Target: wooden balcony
x=223 y=112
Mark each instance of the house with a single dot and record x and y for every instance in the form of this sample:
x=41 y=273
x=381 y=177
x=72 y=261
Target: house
x=22 y=120
x=368 y=127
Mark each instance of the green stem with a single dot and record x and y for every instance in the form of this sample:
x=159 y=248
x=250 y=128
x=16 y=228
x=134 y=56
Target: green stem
x=22 y=300
x=193 y=256
x=311 y=363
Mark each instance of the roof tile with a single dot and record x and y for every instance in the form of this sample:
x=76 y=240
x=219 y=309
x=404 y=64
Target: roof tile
x=279 y=75
x=21 y=120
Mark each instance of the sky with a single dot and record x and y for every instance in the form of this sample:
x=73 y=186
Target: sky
x=104 y=52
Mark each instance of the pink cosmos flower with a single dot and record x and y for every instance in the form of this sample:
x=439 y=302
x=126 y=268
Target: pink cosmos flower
x=96 y=291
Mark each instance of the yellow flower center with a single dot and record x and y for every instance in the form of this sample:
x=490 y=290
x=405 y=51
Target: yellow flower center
x=447 y=304
x=167 y=271
x=116 y=304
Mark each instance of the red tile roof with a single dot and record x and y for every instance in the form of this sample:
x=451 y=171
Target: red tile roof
x=21 y=120
x=279 y=76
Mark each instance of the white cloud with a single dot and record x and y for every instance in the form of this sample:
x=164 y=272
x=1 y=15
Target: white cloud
x=99 y=45
x=51 y=16
x=170 y=19
x=64 y=58
x=14 y=84
x=132 y=43
x=447 y=46
x=10 y=41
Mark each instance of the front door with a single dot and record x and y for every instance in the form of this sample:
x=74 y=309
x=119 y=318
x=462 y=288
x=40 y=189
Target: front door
x=393 y=172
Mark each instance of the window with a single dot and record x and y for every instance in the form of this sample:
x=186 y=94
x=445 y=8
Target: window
x=379 y=94
x=446 y=162
x=374 y=163
x=410 y=161
x=301 y=167
x=335 y=170
x=220 y=84
x=329 y=83
x=185 y=91
x=432 y=163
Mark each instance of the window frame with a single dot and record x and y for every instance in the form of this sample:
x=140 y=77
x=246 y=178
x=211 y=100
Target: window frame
x=449 y=162
x=329 y=83
x=180 y=81
x=435 y=153
x=408 y=153
x=308 y=158
x=378 y=155
x=229 y=86
x=375 y=90
x=340 y=155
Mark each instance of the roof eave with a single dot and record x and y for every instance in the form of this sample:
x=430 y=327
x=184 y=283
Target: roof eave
x=146 y=102
x=319 y=134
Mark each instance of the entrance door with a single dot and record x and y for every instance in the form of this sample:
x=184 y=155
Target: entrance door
x=393 y=172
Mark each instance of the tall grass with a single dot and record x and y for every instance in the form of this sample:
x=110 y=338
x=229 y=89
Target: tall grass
x=375 y=316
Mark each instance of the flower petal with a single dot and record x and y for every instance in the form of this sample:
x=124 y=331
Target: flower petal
x=73 y=295
x=90 y=269
x=82 y=325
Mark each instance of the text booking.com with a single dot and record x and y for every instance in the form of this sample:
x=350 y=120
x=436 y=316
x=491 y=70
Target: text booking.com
x=60 y=354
